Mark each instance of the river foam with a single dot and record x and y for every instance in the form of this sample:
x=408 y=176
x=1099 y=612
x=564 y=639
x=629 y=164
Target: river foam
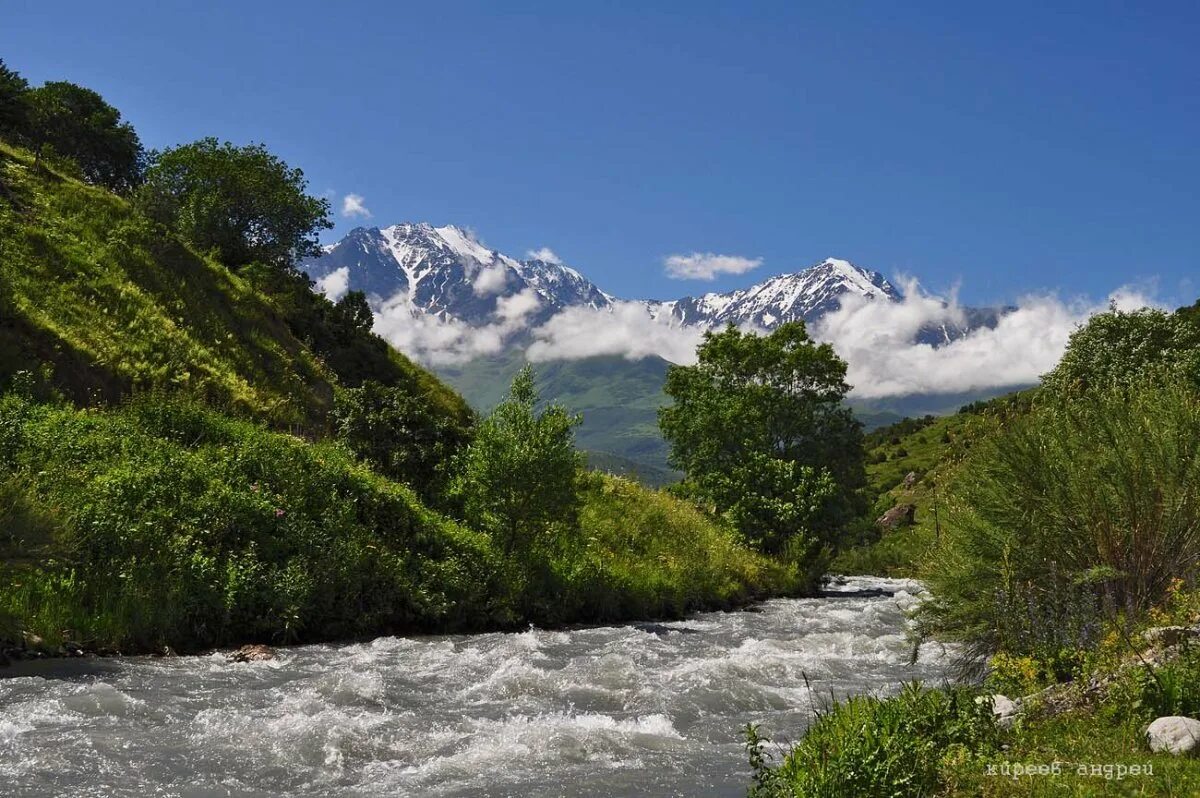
x=636 y=710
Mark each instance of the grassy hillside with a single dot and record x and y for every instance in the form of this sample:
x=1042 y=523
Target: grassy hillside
x=117 y=305
x=931 y=448
x=619 y=400
x=165 y=503
x=164 y=523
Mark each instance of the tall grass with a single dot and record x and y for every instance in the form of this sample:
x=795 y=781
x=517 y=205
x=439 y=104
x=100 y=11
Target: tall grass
x=642 y=553
x=1080 y=513
x=870 y=746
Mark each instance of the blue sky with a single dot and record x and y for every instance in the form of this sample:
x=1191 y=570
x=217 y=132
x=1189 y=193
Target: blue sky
x=1011 y=149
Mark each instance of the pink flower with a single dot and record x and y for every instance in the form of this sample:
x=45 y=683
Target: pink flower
x=278 y=513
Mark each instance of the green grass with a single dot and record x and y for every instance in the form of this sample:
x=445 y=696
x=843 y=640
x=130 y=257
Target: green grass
x=1073 y=739
x=896 y=747
x=116 y=305
x=646 y=554
x=164 y=522
x=933 y=448
x=171 y=524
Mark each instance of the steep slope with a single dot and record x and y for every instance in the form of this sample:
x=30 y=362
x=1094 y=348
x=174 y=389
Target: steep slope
x=118 y=305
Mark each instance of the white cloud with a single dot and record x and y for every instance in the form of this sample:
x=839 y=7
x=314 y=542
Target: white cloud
x=706 y=265
x=354 y=205
x=627 y=329
x=335 y=284
x=490 y=280
x=876 y=339
x=545 y=253
x=438 y=341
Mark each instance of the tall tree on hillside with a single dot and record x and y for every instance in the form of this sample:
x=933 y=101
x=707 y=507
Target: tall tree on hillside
x=14 y=108
x=760 y=430
x=243 y=202
x=78 y=124
x=519 y=477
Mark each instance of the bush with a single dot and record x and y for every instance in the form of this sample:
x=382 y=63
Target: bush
x=1080 y=513
x=403 y=436
x=519 y=477
x=872 y=746
x=172 y=524
x=1126 y=348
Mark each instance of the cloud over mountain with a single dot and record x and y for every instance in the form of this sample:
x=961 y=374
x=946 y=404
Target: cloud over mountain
x=707 y=266
x=354 y=205
x=443 y=297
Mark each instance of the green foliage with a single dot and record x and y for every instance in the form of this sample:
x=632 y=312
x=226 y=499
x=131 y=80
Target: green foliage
x=114 y=304
x=618 y=399
x=77 y=123
x=870 y=746
x=1078 y=513
x=759 y=427
x=640 y=553
x=518 y=478
x=14 y=109
x=1170 y=689
x=1120 y=348
x=402 y=435
x=172 y=524
x=243 y=203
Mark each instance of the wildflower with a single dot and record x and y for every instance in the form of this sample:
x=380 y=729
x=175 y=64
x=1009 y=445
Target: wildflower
x=254 y=487
x=278 y=513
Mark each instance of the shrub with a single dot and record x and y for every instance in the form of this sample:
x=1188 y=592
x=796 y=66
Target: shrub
x=1081 y=512
x=172 y=524
x=1126 y=348
x=892 y=747
x=402 y=435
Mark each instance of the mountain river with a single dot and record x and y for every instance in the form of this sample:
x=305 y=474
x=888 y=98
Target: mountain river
x=650 y=709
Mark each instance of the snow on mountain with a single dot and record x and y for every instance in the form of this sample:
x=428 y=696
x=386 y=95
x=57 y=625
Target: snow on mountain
x=448 y=274
x=805 y=295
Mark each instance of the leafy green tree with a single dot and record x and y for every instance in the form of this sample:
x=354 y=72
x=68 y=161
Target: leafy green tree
x=14 y=108
x=243 y=202
x=352 y=315
x=1119 y=348
x=759 y=428
x=77 y=123
x=519 y=478
x=404 y=436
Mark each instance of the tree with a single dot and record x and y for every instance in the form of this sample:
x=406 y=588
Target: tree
x=243 y=202
x=1118 y=348
x=14 y=108
x=519 y=478
x=77 y=123
x=759 y=429
x=404 y=436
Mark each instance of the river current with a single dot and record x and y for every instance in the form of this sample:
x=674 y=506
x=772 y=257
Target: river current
x=636 y=710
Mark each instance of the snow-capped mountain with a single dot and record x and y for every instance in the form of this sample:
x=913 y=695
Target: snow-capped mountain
x=445 y=272
x=806 y=295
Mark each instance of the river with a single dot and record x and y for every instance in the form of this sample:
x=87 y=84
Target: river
x=633 y=710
